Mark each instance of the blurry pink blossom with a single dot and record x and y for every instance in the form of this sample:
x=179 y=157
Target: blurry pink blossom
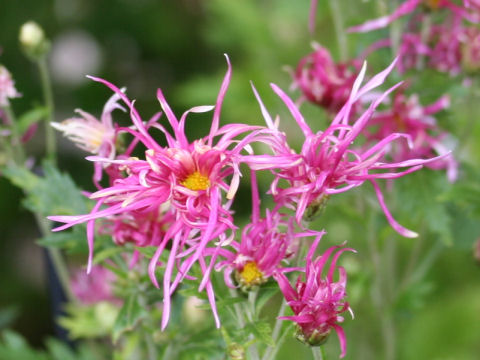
x=95 y=287
x=408 y=116
x=322 y=81
x=409 y=6
x=7 y=87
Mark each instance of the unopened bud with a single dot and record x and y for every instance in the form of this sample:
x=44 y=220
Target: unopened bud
x=314 y=338
x=236 y=351
x=33 y=40
x=316 y=208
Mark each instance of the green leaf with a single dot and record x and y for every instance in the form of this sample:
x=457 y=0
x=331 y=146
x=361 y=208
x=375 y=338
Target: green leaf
x=21 y=177
x=129 y=316
x=73 y=241
x=107 y=253
x=262 y=331
x=31 y=117
x=54 y=193
x=59 y=350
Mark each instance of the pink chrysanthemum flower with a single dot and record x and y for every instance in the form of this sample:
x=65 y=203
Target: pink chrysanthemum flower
x=141 y=228
x=93 y=135
x=195 y=180
x=317 y=301
x=94 y=288
x=322 y=81
x=264 y=244
x=327 y=165
x=409 y=6
x=408 y=116
x=448 y=47
x=7 y=87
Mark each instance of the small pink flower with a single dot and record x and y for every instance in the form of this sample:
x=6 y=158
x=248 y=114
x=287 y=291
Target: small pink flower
x=318 y=301
x=322 y=81
x=328 y=165
x=95 y=287
x=7 y=87
x=93 y=135
x=408 y=116
x=264 y=244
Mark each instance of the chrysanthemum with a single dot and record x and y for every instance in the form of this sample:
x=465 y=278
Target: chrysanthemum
x=408 y=116
x=93 y=135
x=264 y=244
x=7 y=87
x=328 y=165
x=197 y=180
x=317 y=300
x=94 y=288
x=322 y=81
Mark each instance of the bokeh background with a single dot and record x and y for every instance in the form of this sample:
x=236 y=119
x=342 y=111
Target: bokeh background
x=179 y=46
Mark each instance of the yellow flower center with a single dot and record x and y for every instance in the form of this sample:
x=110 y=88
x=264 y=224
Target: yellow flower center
x=196 y=181
x=251 y=275
x=432 y=4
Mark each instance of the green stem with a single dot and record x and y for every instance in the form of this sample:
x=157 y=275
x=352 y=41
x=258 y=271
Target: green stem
x=317 y=352
x=336 y=12
x=395 y=33
x=48 y=98
x=271 y=350
x=15 y=148
x=250 y=312
x=57 y=259
x=147 y=334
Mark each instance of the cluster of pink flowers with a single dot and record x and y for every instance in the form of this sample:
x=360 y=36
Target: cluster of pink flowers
x=178 y=197
x=449 y=45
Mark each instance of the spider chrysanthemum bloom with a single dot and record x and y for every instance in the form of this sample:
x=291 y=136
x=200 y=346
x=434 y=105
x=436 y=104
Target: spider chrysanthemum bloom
x=327 y=162
x=322 y=81
x=196 y=180
x=264 y=244
x=7 y=87
x=318 y=301
x=407 y=115
x=93 y=135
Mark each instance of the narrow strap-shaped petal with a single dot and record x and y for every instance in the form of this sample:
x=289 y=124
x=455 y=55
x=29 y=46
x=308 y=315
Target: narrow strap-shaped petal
x=219 y=102
x=395 y=225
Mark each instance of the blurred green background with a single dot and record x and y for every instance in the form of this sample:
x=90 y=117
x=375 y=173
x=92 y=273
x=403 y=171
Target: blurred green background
x=179 y=46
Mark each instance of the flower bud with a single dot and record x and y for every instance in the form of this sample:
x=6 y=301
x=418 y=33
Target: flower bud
x=236 y=351
x=33 y=40
x=315 y=338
